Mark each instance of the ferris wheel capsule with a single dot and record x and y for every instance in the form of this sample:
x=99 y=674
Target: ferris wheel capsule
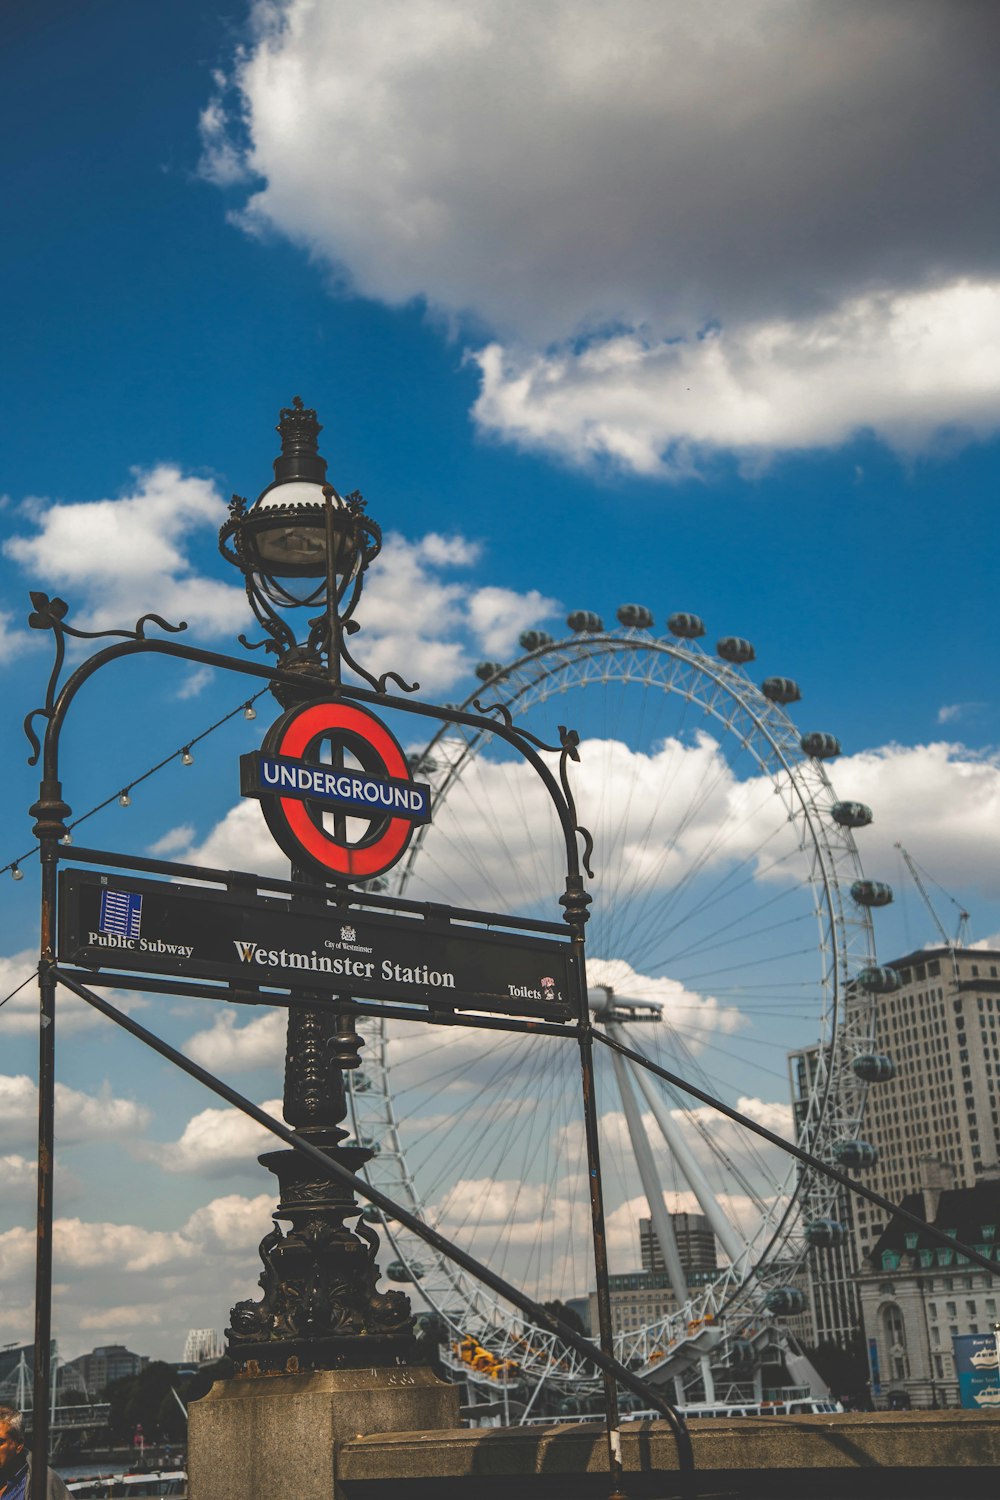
x=871 y=893
x=825 y=1234
x=819 y=746
x=855 y=1154
x=487 y=670
x=785 y=1301
x=781 y=689
x=635 y=617
x=874 y=1067
x=880 y=980
x=735 y=649
x=686 y=627
x=397 y=1270
x=534 y=640
x=851 y=814
x=585 y=622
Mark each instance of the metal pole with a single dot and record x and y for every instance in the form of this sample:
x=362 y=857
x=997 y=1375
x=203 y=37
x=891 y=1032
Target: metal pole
x=50 y=811
x=575 y=902
x=604 y=1323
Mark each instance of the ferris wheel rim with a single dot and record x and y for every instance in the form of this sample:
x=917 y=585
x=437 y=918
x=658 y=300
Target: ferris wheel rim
x=548 y=663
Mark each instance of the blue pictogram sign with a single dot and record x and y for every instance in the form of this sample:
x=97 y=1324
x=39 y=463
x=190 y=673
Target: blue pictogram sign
x=121 y=913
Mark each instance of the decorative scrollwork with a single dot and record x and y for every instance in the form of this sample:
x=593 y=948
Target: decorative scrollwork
x=569 y=741
x=50 y=614
x=378 y=683
x=501 y=711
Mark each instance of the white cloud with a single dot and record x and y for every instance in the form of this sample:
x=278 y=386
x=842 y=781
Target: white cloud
x=119 y=559
x=18 y=1175
x=219 y=1142
x=145 y=1315
x=14 y=642
x=905 y=366
x=173 y=840
x=226 y=1047
x=950 y=713
x=424 y=626
x=498 y=616
x=195 y=682
x=941 y=801
x=114 y=1278
x=575 y=171
x=79 y=1117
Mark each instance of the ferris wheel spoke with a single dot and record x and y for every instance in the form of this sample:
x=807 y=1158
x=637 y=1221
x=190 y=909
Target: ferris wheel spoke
x=662 y=1224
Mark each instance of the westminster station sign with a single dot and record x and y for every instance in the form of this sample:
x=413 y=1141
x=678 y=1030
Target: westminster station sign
x=123 y=923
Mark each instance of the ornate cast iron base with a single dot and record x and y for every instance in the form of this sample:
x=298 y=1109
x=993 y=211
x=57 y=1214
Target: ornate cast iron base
x=320 y=1309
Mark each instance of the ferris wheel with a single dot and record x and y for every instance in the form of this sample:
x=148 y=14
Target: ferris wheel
x=731 y=927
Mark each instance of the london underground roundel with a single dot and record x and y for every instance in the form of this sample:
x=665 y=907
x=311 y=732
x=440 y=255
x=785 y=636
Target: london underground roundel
x=336 y=790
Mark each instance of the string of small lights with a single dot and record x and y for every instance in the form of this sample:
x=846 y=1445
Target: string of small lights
x=124 y=795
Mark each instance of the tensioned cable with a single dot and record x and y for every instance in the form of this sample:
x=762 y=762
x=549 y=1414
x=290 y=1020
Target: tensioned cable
x=14 y=865
x=19 y=987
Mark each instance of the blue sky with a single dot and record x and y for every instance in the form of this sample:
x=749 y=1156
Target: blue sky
x=623 y=306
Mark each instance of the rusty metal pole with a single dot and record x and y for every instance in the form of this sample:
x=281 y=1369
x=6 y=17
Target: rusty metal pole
x=50 y=812
x=575 y=902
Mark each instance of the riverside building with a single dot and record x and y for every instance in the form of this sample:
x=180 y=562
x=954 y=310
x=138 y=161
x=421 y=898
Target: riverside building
x=938 y=1110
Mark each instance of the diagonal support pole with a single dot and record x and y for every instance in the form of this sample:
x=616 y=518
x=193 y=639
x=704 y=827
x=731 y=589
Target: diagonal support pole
x=834 y=1173
x=583 y=1346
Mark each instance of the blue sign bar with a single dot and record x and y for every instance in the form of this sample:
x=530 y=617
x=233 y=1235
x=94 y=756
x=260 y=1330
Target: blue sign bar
x=345 y=790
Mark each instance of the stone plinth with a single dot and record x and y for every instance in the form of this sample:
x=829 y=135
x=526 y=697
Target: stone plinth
x=280 y=1435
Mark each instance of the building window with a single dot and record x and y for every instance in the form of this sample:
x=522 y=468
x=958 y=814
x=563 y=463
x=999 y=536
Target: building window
x=895 y=1340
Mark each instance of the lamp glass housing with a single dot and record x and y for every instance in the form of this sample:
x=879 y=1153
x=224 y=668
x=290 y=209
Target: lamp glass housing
x=287 y=529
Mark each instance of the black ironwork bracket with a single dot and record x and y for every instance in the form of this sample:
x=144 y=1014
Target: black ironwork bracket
x=50 y=614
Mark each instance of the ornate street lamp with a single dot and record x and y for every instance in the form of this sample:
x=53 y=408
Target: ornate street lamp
x=302 y=543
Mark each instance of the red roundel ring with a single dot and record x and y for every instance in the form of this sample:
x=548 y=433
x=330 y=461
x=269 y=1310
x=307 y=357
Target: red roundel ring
x=289 y=818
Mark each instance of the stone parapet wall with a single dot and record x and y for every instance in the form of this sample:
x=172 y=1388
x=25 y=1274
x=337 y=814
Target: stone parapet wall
x=850 y=1456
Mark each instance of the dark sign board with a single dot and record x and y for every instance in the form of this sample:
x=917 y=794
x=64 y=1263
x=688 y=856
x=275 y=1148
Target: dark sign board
x=118 y=922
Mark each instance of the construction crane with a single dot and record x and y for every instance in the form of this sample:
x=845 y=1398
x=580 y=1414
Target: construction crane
x=962 y=931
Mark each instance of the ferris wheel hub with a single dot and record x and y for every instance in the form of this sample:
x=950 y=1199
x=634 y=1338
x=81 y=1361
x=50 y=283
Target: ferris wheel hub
x=606 y=1005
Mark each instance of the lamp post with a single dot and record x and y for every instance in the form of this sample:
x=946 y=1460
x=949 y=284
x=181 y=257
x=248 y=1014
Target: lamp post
x=303 y=544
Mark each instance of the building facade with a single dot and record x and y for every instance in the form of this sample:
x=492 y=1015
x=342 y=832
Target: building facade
x=695 y=1244
x=107 y=1363
x=939 y=1028
x=917 y=1295
x=202 y=1345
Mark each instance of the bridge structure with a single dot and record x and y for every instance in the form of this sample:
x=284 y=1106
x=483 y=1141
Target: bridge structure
x=65 y=1418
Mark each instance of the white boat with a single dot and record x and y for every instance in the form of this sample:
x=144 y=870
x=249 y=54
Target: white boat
x=138 y=1482
x=985 y=1359
x=988 y=1396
